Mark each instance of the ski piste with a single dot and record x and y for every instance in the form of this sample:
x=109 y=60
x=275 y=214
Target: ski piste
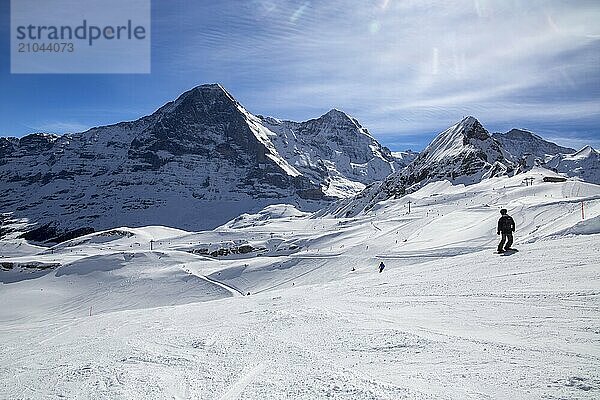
x=170 y=313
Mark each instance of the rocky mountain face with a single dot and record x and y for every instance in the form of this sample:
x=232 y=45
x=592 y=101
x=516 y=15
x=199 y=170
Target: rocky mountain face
x=195 y=163
x=520 y=143
x=465 y=153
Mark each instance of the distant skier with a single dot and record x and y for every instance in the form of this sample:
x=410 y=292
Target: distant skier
x=506 y=227
x=381 y=267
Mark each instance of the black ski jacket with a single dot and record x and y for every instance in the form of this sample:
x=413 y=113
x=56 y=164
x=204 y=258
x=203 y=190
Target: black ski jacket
x=506 y=224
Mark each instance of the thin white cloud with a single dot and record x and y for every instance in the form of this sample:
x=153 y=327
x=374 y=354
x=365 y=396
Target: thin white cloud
x=399 y=66
x=470 y=52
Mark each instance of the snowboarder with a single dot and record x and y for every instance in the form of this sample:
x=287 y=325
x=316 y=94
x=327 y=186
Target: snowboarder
x=381 y=267
x=506 y=227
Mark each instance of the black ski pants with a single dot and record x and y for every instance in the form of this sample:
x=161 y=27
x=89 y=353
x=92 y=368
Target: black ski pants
x=507 y=238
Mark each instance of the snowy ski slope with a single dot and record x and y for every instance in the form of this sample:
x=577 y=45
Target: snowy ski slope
x=162 y=313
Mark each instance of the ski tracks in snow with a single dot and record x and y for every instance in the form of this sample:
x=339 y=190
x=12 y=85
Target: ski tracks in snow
x=234 y=291
x=238 y=387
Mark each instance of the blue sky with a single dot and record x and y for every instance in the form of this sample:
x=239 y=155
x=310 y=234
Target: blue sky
x=406 y=69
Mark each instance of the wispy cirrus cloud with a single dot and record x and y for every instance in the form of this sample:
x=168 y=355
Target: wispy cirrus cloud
x=406 y=69
x=400 y=66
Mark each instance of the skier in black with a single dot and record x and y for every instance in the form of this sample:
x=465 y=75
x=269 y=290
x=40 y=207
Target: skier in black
x=506 y=227
x=381 y=267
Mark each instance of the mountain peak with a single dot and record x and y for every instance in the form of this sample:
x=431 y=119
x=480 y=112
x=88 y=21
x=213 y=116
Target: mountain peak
x=471 y=128
x=338 y=117
x=517 y=131
x=469 y=121
x=201 y=101
x=210 y=86
x=465 y=151
x=209 y=89
x=521 y=142
x=585 y=152
x=335 y=113
x=523 y=134
x=453 y=140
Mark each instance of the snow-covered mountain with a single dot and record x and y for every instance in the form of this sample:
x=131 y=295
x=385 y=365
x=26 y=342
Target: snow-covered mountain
x=519 y=143
x=405 y=157
x=334 y=149
x=465 y=153
x=203 y=159
x=195 y=163
x=530 y=150
x=584 y=164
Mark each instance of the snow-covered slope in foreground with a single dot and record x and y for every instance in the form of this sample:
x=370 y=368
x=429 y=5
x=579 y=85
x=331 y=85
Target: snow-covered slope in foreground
x=447 y=318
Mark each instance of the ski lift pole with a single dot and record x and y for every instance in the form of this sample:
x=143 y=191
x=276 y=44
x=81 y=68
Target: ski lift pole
x=582 y=213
